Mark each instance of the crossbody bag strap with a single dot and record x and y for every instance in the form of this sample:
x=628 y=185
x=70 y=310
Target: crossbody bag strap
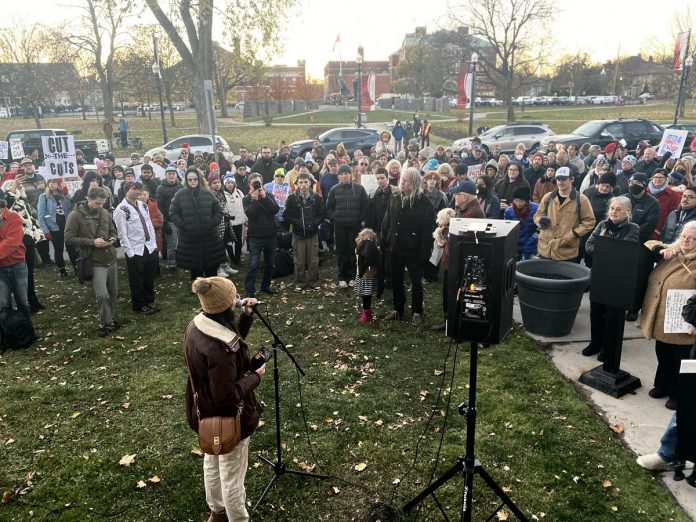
x=193 y=387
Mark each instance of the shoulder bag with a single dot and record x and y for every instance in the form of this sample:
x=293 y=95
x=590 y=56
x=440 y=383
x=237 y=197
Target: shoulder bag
x=216 y=435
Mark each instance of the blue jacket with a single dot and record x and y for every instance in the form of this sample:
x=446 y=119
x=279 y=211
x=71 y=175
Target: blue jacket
x=326 y=182
x=47 y=212
x=528 y=237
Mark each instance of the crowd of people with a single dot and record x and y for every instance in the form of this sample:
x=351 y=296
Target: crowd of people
x=208 y=210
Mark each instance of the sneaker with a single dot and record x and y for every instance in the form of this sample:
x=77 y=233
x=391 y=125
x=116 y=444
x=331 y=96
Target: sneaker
x=653 y=462
x=217 y=517
x=269 y=290
x=600 y=357
x=221 y=273
x=671 y=404
x=591 y=349
x=298 y=289
x=342 y=284
x=417 y=319
x=145 y=310
x=351 y=282
x=393 y=316
x=63 y=273
x=154 y=307
x=657 y=393
x=104 y=331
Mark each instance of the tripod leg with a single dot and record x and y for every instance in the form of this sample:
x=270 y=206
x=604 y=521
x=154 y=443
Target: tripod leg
x=457 y=468
x=265 y=491
x=501 y=494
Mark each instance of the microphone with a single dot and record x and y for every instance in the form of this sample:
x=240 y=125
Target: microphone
x=239 y=303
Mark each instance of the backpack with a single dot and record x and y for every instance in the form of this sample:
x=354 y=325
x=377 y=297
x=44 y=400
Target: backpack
x=284 y=264
x=16 y=330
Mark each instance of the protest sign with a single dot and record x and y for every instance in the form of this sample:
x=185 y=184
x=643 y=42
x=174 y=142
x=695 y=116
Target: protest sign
x=4 y=149
x=369 y=183
x=674 y=322
x=73 y=185
x=102 y=146
x=59 y=156
x=672 y=141
x=156 y=169
x=474 y=171
x=16 y=148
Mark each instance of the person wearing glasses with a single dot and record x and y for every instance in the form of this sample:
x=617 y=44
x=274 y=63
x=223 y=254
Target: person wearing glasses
x=685 y=212
x=667 y=197
x=675 y=270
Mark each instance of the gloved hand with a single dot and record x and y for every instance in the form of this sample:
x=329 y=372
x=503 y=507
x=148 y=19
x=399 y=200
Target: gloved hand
x=544 y=223
x=48 y=236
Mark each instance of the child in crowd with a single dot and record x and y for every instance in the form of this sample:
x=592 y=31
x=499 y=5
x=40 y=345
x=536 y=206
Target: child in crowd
x=367 y=255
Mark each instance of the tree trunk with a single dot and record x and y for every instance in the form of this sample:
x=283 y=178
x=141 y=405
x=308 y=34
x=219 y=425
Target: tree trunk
x=168 y=97
x=222 y=97
x=108 y=100
x=35 y=114
x=199 y=102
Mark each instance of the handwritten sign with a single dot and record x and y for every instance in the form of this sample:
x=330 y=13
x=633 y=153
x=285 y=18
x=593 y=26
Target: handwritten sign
x=676 y=299
x=60 y=160
x=102 y=146
x=369 y=183
x=4 y=149
x=156 y=169
x=16 y=148
x=73 y=185
x=672 y=141
x=474 y=171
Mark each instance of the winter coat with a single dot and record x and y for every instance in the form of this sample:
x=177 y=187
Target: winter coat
x=304 y=215
x=261 y=215
x=532 y=175
x=542 y=187
x=157 y=222
x=645 y=213
x=17 y=202
x=647 y=167
x=347 y=204
x=472 y=210
x=669 y=200
x=437 y=198
x=165 y=194
x=398 y=132
x=407 y=231
x=47 y=211
x=266 y=169
x=196 y=214
x=220 y=368
x=234 y=208
x=599 y=202
x=12 y=249
x=378 y=207
x=150 y=184
x=84 y=226
x=326 y=183
x=626 y=230
x=675 y=222
x=569 y=222
x=367 y=258
x=504 y=188
x=527 y=239
x=677 y=273
x=490 y=206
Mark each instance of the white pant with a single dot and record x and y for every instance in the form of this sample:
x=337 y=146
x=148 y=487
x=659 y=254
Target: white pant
x=224 y=482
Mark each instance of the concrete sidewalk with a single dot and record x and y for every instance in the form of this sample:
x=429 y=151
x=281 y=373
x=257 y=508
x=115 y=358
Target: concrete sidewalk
x=644 y=419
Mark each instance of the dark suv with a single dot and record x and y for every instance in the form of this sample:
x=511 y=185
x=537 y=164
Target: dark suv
x=602 y=132
x=352 y=138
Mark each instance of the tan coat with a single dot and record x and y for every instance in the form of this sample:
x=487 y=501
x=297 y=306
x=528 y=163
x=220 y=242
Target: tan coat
x=561 y=241
x=671 y=274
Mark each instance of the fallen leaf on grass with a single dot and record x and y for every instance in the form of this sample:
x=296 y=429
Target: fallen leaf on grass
x=125 y=405
x=617 y=428
x=6 y=497
x=154 y=479
x=75 y=415
x=614 y=509
x=197 y=451
x=502 y=515
x=167 y=397
x=127 y=460
x=606 y=484
x=361 y=466
x=438 y=372
x=335 y=490
x=140 y=484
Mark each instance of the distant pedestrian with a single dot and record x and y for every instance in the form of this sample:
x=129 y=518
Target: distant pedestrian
x=123 y=131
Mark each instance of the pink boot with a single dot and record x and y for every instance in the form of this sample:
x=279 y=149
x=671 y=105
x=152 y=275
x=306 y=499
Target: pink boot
x=365 y=316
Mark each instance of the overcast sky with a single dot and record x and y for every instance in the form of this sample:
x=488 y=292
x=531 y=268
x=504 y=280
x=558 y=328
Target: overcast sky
x=595 y=26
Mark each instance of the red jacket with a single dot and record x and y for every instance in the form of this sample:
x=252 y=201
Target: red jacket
x=669 y=200
x=11 y=234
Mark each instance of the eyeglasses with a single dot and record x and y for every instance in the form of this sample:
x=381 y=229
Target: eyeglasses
x=688 y=238
x=688 y=197
x=192 y=179
x=659 y=177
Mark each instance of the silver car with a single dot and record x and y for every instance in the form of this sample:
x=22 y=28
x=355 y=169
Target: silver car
x=507 y=137
x=196 y=142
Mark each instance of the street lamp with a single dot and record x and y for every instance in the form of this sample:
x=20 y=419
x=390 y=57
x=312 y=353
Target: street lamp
x=472 y=94
x=359 y=61
x=682 y=83
x=158 y=81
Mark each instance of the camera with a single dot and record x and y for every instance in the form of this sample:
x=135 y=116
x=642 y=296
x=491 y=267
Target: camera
x=256 y=184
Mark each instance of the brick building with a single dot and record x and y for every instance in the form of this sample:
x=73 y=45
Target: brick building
x=349 y=70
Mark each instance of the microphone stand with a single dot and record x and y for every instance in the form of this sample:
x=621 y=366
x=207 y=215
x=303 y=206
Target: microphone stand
x=279 y=468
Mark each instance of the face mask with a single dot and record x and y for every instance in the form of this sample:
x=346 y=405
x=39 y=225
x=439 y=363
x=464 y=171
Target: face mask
x=482 y=192
x=636 y=189
x=518 y=156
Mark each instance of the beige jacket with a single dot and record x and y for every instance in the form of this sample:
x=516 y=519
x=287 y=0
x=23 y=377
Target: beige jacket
x=561 y=241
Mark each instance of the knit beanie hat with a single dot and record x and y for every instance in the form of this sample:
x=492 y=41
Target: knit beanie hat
x=460 y=169
x=213 y=177
x=216 y=294
x=609 y=178
x=229 y=177
x=523 y=193
x=432 y=164
x=630 y=160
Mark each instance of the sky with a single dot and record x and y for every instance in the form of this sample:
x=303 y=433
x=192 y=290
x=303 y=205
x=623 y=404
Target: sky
x=594 y=26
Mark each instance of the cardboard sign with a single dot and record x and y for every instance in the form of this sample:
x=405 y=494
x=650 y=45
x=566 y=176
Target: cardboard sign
x=369 y=183
x=672 y=141
x=674 y=322
x=4 y=149
x=17 y=148
x=102 y=146
x=474 y=171
x=59 y=157
x=73 y=185
x=156 y=169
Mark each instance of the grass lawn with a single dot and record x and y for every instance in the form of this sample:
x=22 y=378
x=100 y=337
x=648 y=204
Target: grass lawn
x=73 y=405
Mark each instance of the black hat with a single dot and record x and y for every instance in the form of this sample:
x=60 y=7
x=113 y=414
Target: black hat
x=460 y=169
x=609 y=178
x=523 y=192
x=640 y=178
x=344 y=169
x=130 y=171
x=146 y=166
x=467 y=187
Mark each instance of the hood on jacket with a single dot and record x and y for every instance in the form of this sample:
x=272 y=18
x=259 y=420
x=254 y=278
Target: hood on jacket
x=492 y=163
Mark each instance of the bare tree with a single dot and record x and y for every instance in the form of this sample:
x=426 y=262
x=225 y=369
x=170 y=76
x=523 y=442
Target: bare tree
x=232 y=68
x=257 y=24
x=514 y=30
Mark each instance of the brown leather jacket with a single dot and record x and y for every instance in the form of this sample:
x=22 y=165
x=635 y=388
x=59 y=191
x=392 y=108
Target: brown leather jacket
x=220 y=368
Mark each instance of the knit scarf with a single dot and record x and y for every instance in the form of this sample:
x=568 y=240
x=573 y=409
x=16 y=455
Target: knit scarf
x=656 y=190
x=521 y=213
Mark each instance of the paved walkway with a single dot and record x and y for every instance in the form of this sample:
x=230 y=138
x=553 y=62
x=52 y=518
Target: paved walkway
x=644 y=419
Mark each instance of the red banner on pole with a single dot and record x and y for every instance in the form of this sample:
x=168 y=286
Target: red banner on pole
x=462 y=94
x=367 y=90
x=680 y=49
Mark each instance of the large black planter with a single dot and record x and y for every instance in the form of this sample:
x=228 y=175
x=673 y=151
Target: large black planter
x=549 y=304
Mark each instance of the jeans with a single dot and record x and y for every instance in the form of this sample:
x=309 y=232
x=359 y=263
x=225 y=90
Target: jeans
x=142 y=271
x=58 y=241
x=669 y=358
x=668 y=443
x=256 y=246
x=14 y=281
x=415 y=273
x=105 y=285
x=30 y=257
x=172 y=242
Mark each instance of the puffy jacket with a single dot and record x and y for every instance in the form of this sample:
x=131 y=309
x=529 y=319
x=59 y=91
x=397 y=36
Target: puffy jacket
x=675 y=222
x=164 y=195
x=260 y=214
x=83 y=227
x=527 y=239
x=408 y=231
x=266 y=169
x=378 y=207
x=669 y=200
x=569 y=222
x=625 y=230
x=326 y=183
x=197 y=214
x=645 y=213
x=47 y=211
x=599 y=202
x=304 y=215
x=347 y=204
x=220 y=368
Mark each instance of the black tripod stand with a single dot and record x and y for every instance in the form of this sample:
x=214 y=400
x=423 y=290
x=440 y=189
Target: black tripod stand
x=467 y=465
x=279 y=468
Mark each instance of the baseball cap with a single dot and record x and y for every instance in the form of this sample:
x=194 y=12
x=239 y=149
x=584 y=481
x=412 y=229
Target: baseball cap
x=465 y=187
x=563 y=172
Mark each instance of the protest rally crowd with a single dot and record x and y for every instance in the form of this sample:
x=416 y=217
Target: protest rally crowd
x=208 y=212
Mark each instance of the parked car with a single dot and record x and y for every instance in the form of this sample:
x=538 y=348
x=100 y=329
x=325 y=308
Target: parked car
x=197 y=142
x=352 y=138
x=31 y=139
x=647 y=96
x=602 y=132
x=689 y=127
x=508 y=136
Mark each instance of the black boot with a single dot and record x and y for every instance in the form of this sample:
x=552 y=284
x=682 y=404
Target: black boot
x=591 y=349
x=692 y=479
x=678 y=466
x=63 y=273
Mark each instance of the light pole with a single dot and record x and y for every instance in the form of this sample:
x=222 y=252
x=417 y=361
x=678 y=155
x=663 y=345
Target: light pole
x=158 y=81
x=359 y=61
x=682 y=83
x=472 y=94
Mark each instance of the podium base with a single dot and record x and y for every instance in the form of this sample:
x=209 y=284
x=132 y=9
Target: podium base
x=615 y=384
